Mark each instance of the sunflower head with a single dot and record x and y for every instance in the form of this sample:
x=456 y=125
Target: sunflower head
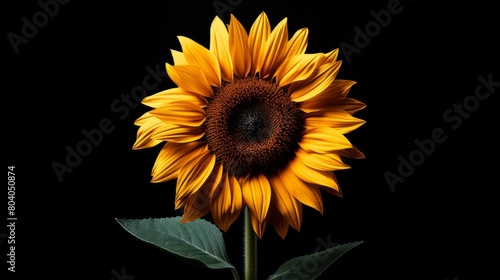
x=255 y=122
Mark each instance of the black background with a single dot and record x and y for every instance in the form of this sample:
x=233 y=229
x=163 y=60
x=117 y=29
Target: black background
x=437 y=224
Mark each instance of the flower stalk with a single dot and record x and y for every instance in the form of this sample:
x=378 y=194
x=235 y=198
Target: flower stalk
x=250 y=245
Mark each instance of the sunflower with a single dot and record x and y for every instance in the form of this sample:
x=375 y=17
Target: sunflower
x=255 y=122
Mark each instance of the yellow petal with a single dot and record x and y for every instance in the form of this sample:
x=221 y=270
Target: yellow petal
x=219 y=45
x=256 y=192
x=333 y=188
x=285 y=202
x=172 y=157
x=179 y=133
x=257 y=37
x=323 y=102
x=153 y=131
x=339 y=87
x=298 y=43
x=194 y=210
x=324 y=140
x=297 y=68
x=339 y=119
x=206 y=60
x=194 y=206
x=333 y=97
x=143 y=141
x=322 y=162
x=213 y=181
x=163 y=98
x=190 y=78
x=146 y=117
x=351 y=153
x=179 y=58
x=331 y=56
x=258 y=226
x=227 y=202
x=149 y=126
x=278 y=222
x=312 y=176
x=180 y=113
x=313 y=86
x=238 y=46
x=274 y=52
x=351 y=105
x=305 y=192
x=193 y=175
x=197 y=204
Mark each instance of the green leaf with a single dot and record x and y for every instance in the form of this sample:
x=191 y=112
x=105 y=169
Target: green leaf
x=198 y=240
x=311 y=266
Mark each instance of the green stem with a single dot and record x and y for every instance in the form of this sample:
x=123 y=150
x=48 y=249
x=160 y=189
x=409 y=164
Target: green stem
x=250 y=249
